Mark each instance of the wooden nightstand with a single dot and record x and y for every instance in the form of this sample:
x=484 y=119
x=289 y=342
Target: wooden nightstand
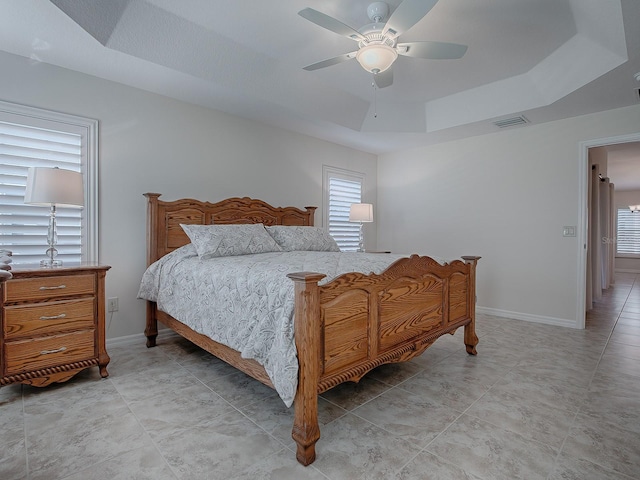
x=52 y=324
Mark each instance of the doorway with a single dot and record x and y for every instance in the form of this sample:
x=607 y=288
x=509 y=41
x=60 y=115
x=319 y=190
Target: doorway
x=583 y=221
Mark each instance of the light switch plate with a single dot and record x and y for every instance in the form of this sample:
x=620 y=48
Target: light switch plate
x=569 y=231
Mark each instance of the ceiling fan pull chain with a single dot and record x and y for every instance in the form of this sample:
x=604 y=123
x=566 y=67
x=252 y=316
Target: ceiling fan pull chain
x=375 y=99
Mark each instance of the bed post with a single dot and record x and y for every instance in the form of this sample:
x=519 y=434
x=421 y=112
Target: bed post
x=151 y=330
x=311 y=211
x=306 y=431
x=470 y=337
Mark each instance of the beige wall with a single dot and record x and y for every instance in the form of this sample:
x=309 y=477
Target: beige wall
x=150 y=143
x=598 y=156
x=505 y=197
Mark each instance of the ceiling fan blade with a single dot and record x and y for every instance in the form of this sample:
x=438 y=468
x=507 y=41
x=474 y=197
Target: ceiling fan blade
x=330 y=23
x=408 y=13
x=331 y=61
x=432 y=50
x=384 y=79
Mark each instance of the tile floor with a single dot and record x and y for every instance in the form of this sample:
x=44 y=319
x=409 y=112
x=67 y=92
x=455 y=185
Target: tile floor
x=538 y=402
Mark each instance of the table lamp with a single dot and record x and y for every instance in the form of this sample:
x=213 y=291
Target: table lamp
x=361 y=212
x=53 y=187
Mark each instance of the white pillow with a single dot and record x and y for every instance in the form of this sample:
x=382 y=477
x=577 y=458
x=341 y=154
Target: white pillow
x=229 y=240
x=292 y=238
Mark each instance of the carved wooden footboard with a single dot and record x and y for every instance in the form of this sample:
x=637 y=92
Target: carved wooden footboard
x=357 y=322
x=344 y=328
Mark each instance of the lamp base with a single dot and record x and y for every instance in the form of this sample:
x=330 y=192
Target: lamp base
x=361 y=240
x=50 y=263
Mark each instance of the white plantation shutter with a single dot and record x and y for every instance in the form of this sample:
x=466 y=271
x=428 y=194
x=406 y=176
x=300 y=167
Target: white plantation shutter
x=342 y=188
x=628 y=234
x=36 y=138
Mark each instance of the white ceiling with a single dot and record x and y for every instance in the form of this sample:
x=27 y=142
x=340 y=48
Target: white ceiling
x=544 y=59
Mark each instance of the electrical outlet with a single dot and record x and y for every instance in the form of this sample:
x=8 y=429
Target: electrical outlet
x=112 y=304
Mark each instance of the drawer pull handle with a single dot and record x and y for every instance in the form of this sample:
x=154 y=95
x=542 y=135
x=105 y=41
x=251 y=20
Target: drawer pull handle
x=57 y=350
x=54 y=317
x=53 y=288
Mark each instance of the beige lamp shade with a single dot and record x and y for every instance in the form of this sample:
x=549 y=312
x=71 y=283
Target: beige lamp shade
x=361 y=212
x=54 y=186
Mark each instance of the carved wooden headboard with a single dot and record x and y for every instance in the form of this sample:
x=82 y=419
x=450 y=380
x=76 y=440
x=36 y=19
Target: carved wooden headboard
x=164 y=233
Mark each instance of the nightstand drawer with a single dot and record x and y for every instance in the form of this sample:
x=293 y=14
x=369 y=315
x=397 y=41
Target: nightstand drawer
x=34 y=354
x=47 y=318
x=44 y=288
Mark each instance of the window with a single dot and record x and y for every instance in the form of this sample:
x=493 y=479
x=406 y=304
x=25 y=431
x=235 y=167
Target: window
x=31 y=137
x=628 y=233
x=341 y=189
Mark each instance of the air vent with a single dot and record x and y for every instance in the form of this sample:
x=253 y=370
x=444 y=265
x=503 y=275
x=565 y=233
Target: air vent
x=511 y=122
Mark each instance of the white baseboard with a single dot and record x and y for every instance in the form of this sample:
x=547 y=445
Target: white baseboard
x=527 y=317
x=138 y=338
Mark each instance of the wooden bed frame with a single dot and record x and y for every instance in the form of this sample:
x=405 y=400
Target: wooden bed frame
x=344 y=328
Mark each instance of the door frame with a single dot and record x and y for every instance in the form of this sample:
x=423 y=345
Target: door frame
x=583 y=221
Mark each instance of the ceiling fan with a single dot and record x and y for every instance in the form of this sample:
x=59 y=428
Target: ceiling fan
x=378 y=41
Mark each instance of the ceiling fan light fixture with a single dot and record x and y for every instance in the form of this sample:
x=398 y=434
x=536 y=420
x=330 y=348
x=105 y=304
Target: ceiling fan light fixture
x=376 y=58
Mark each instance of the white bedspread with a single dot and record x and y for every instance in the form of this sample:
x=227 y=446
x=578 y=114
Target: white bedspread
x=246 y=302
